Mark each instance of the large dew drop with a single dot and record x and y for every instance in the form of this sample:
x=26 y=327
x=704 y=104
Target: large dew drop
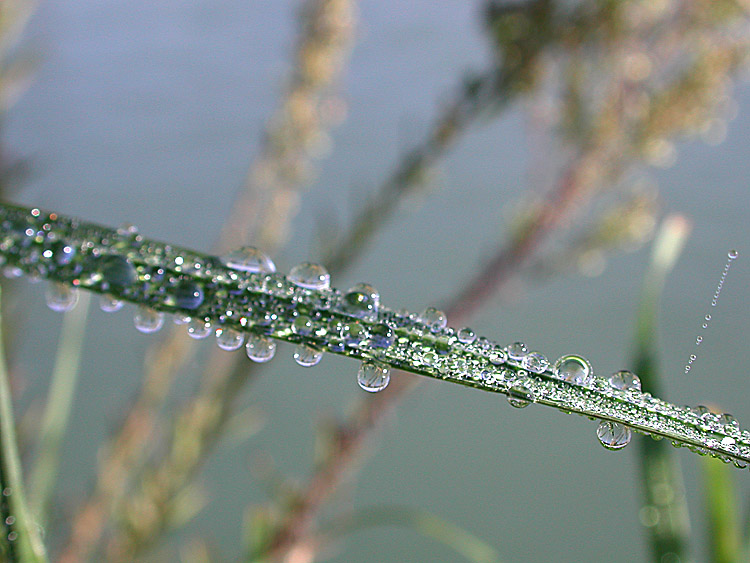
x=624 y=380
x=249 y=259
x=260 y=348
x=434 y=318
x=186 y=295
x=535 y=362
x=613 y=435
x=517 y=351
x=361 y=301
x=229 y=339
x=310 y=276
x=198 y=328
x=382 y=336
x=520 y=396
x=61 y=297
x=573 y=368
x=307 y=356
x=466 y=335
x=373 y=377
x=147 y=320
x=116 y=271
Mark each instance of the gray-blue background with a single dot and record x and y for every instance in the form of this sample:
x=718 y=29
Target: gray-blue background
x=151 y=113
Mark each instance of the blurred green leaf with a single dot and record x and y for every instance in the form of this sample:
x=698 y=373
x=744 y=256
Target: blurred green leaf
x=721 y=511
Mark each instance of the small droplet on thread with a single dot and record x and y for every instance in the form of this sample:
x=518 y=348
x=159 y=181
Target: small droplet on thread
x=229 y=339
x=307 y=356
x=61 y=297
x=613 y=435
x=373 y=377
x=147 y=320
x=692 y=358
x=698 y=340
x=732 y=254
x=708 y=317
x=260 y=348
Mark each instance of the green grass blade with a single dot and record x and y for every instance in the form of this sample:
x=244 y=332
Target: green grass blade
x=23 y=541
x=721 y=512
x=665 y=511
x=59 y=404
x=464 y=543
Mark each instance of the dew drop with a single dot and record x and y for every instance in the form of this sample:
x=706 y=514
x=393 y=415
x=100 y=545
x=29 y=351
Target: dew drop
x=625 y=380
x=307 y=356
x=373 y=377
x=732 y=254
x=361 y=301
x=229 y=339
x=497 y=357
x=382 y=336
x=535 y=362
x=466 y=335
x=698 y=340
x=687 y=369
x=260 y=348
x=692 y=358
x=63 y=253
x=705 y=325
x=13 y=536
x=573 y=368
x=127 y=230
x=198 y=328
x=61 y=297
x=613 y=435
x=302 y=325
x=353 y=333
x=186 y=295
x=433 y=318
x=147 y=320
x=310 y=276
x=517 y=351
x=109 y=304
x=519 y=395
x=248 y=259
x=116 y=271
x=713 y=303
x=708 y=318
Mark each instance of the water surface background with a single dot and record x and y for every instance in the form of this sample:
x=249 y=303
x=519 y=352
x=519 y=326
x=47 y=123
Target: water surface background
x=151 y=113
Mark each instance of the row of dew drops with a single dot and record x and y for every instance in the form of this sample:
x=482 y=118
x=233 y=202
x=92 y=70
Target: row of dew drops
x=361 y=301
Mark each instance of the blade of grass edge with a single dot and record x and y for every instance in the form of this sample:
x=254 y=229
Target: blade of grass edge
x=27 y=540
x=721 y=511
x=58 y=408
x=664 y=512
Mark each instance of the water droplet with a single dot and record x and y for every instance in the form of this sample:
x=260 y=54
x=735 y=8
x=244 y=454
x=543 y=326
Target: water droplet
x=535 y=362
x=381 y=336
x=705 y=325
x=497 y=357
x=466 y=335
x=186 y=295
x=229 y=338
x=63 y=253
x=625 y=380
x=573 y=368
x=116 y=271
x=13 y=536
x=61 y=297
x=613 y=435
x=147 y=320
x=260 y=348
x=127 y=230
x=307 y=356
x=249 y=259
x=109 y=304
x=692 y=358
x=698 y=340
x=517 y=351
x=708 y=318
x=10 y=520
x=361 y=301
x=7 y=491
x=353 y=333
x=728 y=419
x=520 y=396
x=713 y=303
x=373 y=377
x=433 y=318
x=302 y=325
x=687 y=369
x=732 y=254
x=198 y=328
x=310 y=276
